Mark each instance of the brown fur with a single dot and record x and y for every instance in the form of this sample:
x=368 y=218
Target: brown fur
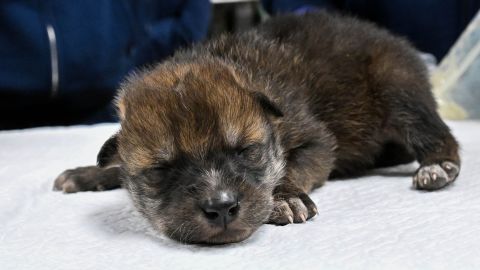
x=148 y=129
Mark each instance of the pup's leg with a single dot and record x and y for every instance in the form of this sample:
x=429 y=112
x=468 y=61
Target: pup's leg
x=105 y=176
x=412 y=118
x=91 y=178
x=435 y=148
x=308 y=167
x=401 y=83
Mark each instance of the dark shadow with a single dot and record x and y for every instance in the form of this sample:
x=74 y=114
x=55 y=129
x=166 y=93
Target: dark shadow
x=124 y=219
x=405 y=170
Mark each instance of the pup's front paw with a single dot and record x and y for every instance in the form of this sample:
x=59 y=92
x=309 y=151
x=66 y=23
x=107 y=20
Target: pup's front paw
x=91 y=178
x=292 y=208
x=435 y=176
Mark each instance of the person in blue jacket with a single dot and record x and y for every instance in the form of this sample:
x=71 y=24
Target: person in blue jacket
x=62 y=60
x=431 y=25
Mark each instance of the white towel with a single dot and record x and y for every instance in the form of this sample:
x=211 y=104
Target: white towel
x=374 y=222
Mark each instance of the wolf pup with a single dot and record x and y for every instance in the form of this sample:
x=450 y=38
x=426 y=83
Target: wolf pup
x=234 y=133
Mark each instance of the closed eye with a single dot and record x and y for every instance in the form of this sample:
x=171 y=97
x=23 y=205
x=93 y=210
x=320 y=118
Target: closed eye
x=244 y=149
x=161 y=167
x=250 y=152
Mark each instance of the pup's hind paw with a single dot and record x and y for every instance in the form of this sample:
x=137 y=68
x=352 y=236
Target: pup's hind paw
x=435 y=176
x=292 y=209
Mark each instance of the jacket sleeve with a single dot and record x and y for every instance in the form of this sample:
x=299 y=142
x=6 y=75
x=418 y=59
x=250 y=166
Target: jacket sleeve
x=296 y=6
x=189 y=25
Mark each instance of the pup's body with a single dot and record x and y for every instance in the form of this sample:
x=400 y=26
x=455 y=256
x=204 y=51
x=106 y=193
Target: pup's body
x=233 y=133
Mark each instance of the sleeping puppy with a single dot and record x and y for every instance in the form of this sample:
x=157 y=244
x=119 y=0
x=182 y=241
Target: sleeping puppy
x=234 y=133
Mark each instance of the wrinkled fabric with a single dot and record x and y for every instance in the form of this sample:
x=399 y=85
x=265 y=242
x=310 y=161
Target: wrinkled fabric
x=373 y=222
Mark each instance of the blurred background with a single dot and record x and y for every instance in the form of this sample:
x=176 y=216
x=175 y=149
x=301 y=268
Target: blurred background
x=61 y=61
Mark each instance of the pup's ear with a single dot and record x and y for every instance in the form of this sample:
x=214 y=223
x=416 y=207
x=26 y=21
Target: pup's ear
x=267 y=104
x=108 y=154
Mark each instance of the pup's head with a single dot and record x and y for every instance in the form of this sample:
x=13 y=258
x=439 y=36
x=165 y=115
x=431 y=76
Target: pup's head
x=198 y=150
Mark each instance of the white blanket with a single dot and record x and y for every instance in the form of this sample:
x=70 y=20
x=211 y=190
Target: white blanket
x=375 y=222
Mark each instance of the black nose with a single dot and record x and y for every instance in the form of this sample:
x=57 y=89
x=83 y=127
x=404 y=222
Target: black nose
x=221 y=209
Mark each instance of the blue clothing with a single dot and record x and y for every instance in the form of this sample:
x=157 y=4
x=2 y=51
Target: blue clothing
x=91 y=45
x=431 y=25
